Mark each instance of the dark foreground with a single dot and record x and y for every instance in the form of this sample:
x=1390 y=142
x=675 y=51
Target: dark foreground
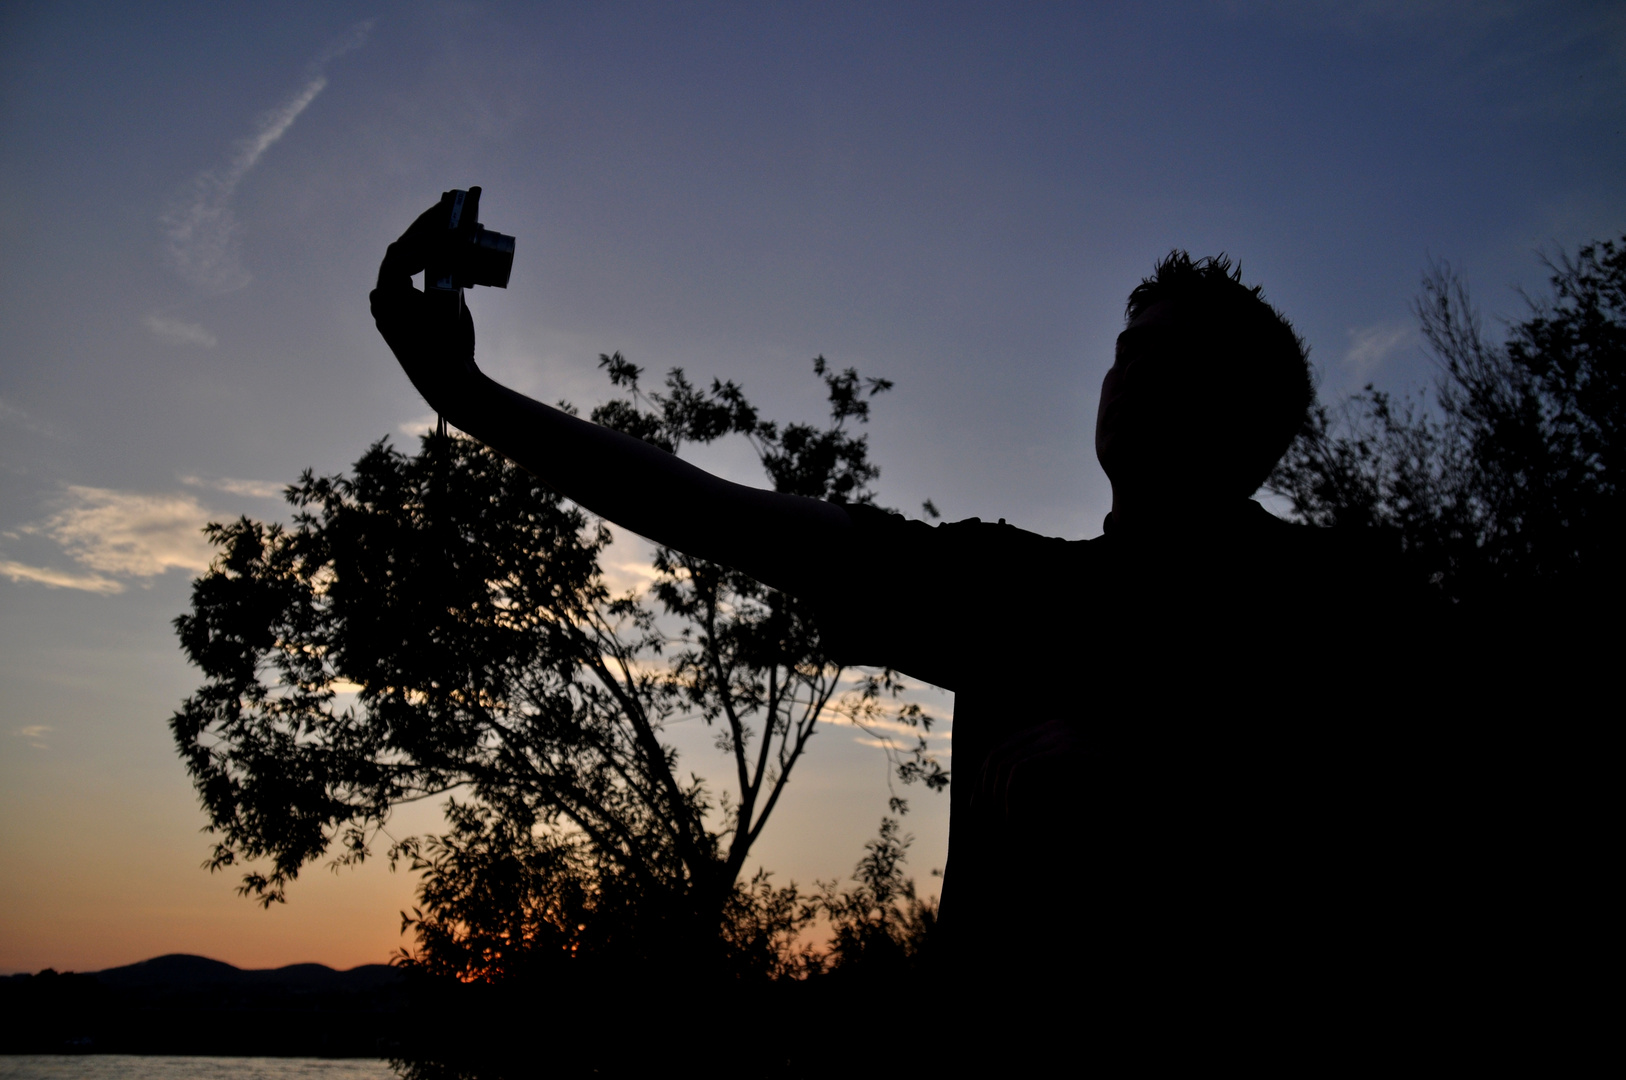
x=190 y=1005
x=175 y=1067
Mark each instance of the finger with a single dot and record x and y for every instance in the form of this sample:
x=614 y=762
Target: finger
x=401 y=261
x=465 y=338
x=398 y=314
x=410 y=252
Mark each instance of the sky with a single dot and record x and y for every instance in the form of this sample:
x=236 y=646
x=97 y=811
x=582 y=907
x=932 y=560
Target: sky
x=956 y=197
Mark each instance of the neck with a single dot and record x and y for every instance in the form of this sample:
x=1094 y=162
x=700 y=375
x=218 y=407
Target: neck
x=1139 y=511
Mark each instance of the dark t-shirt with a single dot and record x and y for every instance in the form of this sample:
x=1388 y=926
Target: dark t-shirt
x=1243 y=791
x=1182 y=764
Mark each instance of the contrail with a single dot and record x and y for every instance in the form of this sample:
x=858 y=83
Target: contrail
x=203 y=237
x=271 y=128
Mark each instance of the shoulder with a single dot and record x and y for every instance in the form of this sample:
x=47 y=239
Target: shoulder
x=873 y=519
x=1364 y=565
x=959 y=595
x=885 y=528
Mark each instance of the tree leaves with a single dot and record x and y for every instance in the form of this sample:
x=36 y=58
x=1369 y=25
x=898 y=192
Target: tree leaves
x=463 y=606
x=1505 y=487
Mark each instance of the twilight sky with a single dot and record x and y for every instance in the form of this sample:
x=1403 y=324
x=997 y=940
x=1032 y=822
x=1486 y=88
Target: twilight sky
x=955 y=196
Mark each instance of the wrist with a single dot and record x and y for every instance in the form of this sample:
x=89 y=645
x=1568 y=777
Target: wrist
x=459 y=396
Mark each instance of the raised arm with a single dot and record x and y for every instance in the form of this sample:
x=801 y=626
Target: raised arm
x=782 y=540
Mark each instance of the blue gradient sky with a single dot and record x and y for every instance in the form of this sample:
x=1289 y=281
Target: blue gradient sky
x=955 y=196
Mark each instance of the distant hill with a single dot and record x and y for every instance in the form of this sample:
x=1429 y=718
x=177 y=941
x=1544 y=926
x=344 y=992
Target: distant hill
x=183 y=971
x=182 y=1004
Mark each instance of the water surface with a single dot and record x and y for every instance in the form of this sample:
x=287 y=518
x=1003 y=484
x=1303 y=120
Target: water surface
x=160 y=1067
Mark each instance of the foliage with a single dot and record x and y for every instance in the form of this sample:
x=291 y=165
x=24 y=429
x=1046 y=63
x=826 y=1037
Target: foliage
x=756 y=1003
x=881 y=928
x=1505 y=487
x=506 y=905
x=463 y=605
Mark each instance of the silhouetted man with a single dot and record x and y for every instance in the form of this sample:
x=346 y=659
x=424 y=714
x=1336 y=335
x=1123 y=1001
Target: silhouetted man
x=1174 y=799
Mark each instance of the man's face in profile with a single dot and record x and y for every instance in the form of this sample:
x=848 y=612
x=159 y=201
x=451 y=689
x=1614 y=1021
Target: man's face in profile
x=1145 y=431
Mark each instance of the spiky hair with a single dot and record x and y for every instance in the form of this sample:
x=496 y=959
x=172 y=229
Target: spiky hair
x=1246 y=354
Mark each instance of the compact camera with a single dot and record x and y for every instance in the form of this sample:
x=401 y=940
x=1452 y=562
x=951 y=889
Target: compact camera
x=467 y=253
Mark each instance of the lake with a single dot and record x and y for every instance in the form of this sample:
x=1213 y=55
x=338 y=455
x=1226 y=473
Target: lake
x=158 y=1067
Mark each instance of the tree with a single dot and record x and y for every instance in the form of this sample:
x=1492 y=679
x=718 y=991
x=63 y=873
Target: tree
x=464 y=606
x=1502 y=488
x=881 y=928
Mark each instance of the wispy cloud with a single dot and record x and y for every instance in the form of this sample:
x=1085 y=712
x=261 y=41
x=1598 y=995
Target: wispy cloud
x=34 y=734
x=180 y=333
x=203 y=237
x=130 y=534
x=254 y=489
x=116 y=536
x=423 y=425
x=628 y=577
x=1370 y=346
x=347 y=42
x=58 y=579
x=12 y=414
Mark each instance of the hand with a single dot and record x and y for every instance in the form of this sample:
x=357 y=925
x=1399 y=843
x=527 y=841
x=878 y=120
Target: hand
x=437 y=352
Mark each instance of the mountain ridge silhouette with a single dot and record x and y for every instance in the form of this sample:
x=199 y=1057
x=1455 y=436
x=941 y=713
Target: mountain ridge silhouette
x=178 y=971
x=181 y=1003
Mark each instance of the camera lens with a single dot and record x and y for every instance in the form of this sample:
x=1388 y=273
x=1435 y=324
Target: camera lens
x=489 y=258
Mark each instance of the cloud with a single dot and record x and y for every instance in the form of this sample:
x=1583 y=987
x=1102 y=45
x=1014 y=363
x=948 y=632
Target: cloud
x=882 y=744
x=838 y=718
x=347 y=42
x=423 y=425
x=204 y=238
x=254 y=489
x=58 y=579
x=202 y=235
x=11 y=414
x=177 y=332
x=123 y=534
x=1370 y=346
x=625 y=577
x=35 y=734
x=130 y=534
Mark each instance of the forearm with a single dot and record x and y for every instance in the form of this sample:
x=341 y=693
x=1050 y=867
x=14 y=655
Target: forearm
x=783 y=540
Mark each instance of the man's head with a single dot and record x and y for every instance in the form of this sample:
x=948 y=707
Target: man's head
x=1209 y=386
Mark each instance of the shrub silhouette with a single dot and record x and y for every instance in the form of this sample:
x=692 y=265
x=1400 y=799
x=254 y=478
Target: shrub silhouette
x=1503 y=485
x=464 y=606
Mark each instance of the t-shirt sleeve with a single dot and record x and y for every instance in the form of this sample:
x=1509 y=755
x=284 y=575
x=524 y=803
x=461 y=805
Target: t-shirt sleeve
x=934 y=602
